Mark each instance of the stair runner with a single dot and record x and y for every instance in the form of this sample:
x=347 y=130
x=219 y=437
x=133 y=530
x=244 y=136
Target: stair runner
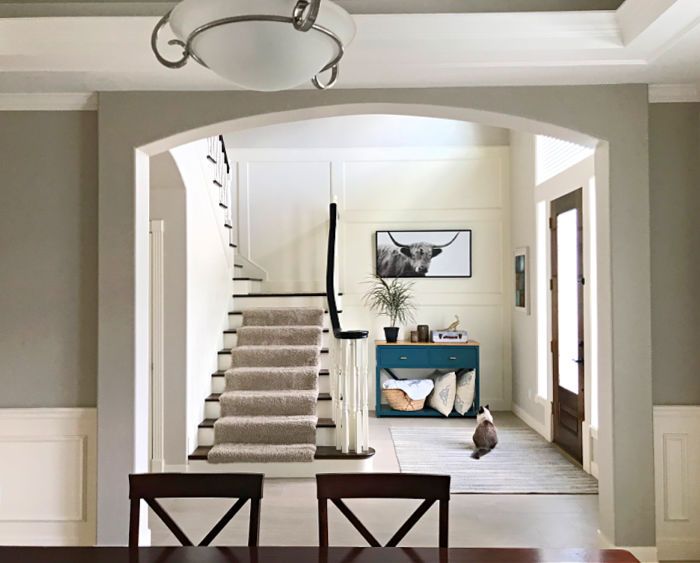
x=268 y=408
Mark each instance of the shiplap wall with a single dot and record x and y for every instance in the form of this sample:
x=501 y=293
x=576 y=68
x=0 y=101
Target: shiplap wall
x=284 y=197
x=48 y=473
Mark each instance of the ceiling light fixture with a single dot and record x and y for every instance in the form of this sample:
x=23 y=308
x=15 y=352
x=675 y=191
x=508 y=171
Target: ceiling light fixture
x=258 y=53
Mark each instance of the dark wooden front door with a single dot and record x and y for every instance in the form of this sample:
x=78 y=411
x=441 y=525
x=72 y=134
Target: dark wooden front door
x=567 y=322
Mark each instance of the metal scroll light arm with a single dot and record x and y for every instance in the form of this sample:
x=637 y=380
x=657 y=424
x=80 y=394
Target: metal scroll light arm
x=303 y=19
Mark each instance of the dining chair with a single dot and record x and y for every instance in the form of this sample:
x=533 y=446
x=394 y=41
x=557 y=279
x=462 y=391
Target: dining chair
x=338 y=486
x=152 y=486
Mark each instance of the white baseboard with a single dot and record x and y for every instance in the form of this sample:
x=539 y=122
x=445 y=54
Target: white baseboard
x=594 y=469
x=49 y=476
x=676 y=459
x=495 y=404
x=645 y=554
x=678 y=549
x=531 y=421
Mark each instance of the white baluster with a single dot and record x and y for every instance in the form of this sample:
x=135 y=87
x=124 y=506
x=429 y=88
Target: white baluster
x=352 y=407
x=364 y=375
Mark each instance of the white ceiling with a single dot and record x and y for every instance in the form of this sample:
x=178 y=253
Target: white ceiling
x=360 y=131
x=643 y=41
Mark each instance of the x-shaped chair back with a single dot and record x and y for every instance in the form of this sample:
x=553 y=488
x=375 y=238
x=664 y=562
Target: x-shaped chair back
x=338 y=486
x=151 y=486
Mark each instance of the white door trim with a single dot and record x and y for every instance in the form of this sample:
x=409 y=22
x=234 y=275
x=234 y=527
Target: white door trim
x=157 y=412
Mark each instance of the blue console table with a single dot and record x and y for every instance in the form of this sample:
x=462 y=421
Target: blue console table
x=425 y=355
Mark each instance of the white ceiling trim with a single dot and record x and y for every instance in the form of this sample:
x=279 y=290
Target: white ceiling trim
x=673 y=93
x=635 y=16
x=48 y=102
x=390 y=50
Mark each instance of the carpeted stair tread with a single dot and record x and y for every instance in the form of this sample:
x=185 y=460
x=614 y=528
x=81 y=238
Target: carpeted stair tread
x=298 y=429
x=279 y=335
x=261 y=403
x=322 y=452
x=261 y=453
x=268 y=408
x=225 y=351
x=261 y=378
x=292 y=316
x=321 y=423
x=274 y=356
x=222 y=372
x=235 y=330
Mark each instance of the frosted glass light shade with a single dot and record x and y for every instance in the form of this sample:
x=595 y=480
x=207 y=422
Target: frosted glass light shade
x=261 y=55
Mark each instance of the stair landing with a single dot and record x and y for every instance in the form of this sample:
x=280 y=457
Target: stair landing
x=326 y=460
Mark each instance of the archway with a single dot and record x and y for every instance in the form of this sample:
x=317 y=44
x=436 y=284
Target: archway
x=130 y=408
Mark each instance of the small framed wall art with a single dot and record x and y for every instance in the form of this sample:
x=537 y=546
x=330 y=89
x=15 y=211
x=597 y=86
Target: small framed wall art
x=521 y=262
x=424 y=254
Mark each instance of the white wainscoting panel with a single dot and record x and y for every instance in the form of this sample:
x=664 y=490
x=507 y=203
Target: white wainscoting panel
x=677 y=465
x=47 y=476
x=284 y=214
x=425 y=184
x=287 y=221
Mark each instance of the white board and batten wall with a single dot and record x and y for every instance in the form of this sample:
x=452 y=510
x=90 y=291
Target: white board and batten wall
x=676 y=463
x=48 y=476
x=284 y=197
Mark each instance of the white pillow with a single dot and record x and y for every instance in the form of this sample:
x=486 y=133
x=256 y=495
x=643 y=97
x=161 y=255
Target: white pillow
x=442 y=399
x=466 y=384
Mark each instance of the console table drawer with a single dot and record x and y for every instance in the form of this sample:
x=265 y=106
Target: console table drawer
x=399 y=356
x=458 y=357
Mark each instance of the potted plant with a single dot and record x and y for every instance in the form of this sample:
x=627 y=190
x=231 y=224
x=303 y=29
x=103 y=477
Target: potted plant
x=394 y=300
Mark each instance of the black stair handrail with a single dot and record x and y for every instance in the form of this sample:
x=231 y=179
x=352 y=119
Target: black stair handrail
x=330 y=283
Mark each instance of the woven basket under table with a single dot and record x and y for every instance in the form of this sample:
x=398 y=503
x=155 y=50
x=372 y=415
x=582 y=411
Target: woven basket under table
x=399 y=401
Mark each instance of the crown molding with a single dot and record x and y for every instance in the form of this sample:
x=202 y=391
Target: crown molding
x=673 y=93
x=48 y=102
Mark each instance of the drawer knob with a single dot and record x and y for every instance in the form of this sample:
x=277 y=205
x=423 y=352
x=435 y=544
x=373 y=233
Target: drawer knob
x=403 y=358
x=453 y=357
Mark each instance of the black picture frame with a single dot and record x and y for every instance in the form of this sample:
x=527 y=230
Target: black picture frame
x=459 y=257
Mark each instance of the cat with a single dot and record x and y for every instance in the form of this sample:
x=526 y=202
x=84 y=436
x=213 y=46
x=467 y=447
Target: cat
x=485 y=436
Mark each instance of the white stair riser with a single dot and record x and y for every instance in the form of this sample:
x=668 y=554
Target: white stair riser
x=242 y=303
x=324 y=436
x=212 y=409
x=246 y=286
x=231 y=339
x=324 y=384
x=225 y=361
x=235 y=321
x=301 y=470
x=218 y=384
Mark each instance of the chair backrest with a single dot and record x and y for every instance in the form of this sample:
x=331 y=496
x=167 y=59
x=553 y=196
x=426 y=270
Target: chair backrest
x=151 y=486
x=337 y=486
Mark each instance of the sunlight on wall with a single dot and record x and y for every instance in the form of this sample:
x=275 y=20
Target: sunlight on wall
x=593 y=298
x=553 y=156
x=542 y=339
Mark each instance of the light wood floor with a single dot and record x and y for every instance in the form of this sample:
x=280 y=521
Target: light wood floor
x=289 y=512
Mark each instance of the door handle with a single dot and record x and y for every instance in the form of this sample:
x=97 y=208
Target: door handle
x=403 y=358
x=453 y=357
x=578 y=361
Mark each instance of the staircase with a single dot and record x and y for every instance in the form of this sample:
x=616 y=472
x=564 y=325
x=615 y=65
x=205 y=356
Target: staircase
x=249 y=296
x=264 y=392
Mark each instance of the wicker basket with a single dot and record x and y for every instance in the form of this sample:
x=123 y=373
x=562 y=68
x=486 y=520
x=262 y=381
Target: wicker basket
x=399 y=401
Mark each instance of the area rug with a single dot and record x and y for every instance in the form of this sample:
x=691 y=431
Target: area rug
x=522 y=463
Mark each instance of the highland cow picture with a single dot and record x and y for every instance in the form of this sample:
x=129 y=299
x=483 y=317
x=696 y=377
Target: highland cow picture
x=424 y=254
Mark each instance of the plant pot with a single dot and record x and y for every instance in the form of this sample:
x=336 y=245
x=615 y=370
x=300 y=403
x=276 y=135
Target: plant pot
x=391 y=333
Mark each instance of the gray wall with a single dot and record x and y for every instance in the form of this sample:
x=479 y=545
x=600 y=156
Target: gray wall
x=674 y=164
x=48 y=259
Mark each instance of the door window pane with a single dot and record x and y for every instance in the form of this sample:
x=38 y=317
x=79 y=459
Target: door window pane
x=567 y=299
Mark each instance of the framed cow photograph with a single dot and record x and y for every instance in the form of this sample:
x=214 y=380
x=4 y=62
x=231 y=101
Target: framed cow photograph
x=424 y=254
